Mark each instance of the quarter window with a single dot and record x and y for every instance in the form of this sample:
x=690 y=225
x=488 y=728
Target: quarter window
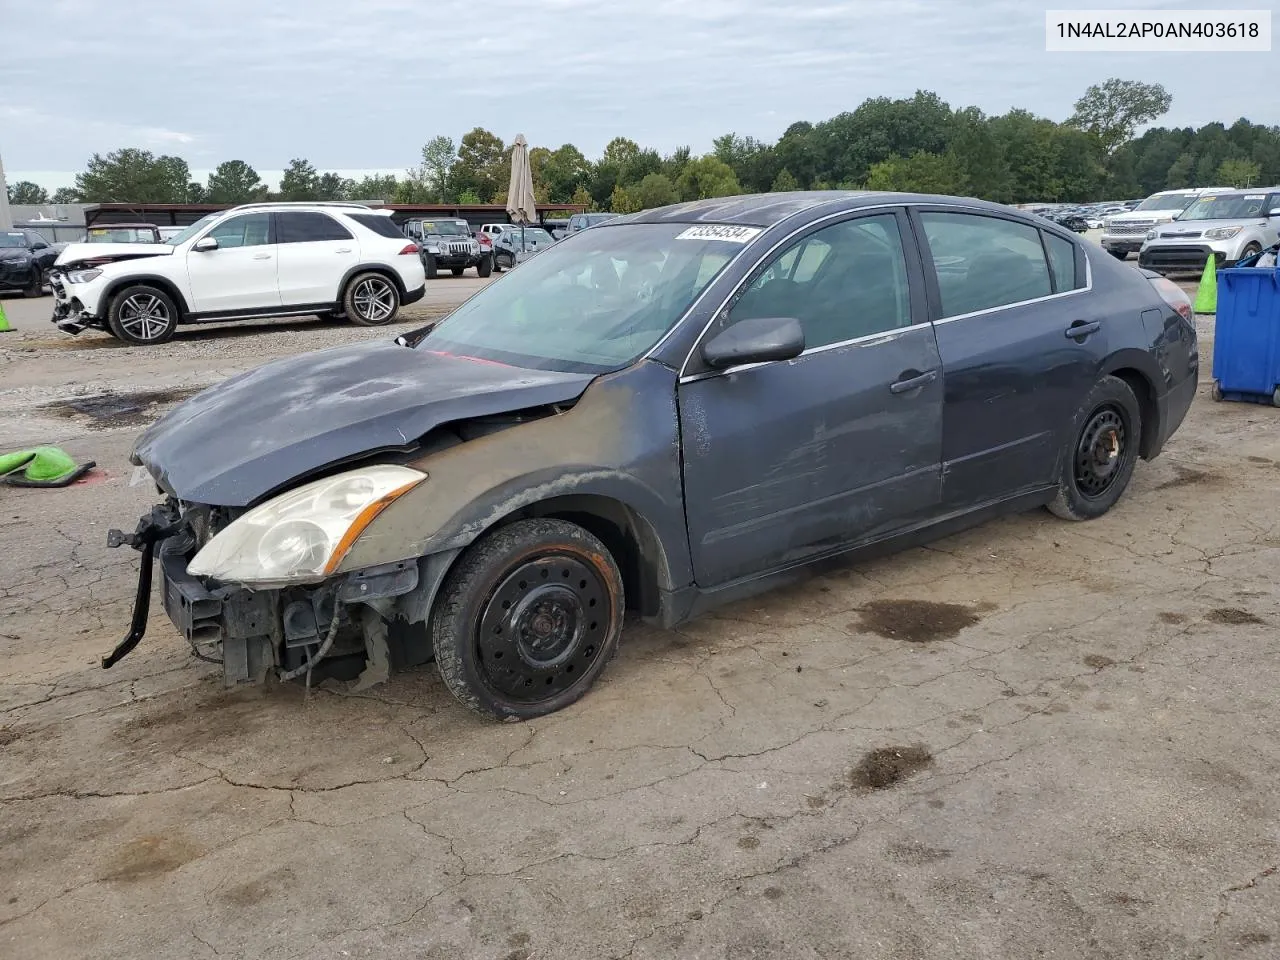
x=984 y=262
x=303 y=227
x=842 y=282
x=250 y=230
x=1062 y=261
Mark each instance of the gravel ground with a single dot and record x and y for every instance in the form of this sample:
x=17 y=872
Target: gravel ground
x=1035 y=739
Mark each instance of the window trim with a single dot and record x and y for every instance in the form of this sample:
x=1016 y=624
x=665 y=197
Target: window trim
x=930 y=272
x=916 y=302
x=277 y=223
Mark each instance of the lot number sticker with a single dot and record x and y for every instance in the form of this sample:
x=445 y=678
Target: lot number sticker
x=720 y=232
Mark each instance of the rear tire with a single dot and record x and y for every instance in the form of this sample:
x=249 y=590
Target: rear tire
x=1102 y=453
x=527 y=619
x=142 y=315
x=485 y=266
x=371 y=300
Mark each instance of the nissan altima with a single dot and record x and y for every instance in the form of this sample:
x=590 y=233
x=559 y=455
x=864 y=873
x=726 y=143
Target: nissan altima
x=666 y=412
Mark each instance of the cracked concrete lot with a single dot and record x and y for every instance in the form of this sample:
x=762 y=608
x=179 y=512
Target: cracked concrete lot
x=1035 y=739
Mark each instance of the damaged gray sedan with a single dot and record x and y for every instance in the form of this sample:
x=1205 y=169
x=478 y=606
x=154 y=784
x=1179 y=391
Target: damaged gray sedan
x=670 y=411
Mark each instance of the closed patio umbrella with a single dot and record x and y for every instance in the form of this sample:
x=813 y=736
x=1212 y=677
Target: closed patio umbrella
x=520 y=204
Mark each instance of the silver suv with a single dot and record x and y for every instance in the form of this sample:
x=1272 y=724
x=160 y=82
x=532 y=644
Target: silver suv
x=1124 y=233
x=1229 y=225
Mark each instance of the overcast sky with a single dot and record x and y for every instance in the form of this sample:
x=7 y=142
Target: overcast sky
x=361 y=84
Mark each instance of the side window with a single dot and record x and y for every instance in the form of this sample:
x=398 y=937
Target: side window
x=303 y=227
x=984 y=262
x=250 y=230
x=1062 y=261
x=845 y=281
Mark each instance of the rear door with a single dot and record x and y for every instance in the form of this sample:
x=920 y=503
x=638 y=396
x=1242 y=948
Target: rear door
x=1021 y=341
x=315 y=251
x=785 y=461
x=240 y=275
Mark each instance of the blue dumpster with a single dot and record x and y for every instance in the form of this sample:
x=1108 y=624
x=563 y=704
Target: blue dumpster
x=1246 y=340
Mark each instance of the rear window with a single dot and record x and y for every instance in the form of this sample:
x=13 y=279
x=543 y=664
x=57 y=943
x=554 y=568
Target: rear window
x=382 y=226
x=307 y=227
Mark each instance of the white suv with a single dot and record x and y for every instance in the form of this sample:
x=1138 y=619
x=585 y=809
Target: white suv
x=256 y=260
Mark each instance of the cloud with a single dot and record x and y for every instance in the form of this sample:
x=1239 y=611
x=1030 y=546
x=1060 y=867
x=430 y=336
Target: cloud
x=364 y=86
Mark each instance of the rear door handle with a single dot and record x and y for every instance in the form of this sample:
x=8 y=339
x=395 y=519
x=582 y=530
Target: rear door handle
x=262 y=256
x=910 y=380
x=1081 y=329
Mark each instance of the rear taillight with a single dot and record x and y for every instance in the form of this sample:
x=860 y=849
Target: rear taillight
x=409 y=249
x=1174 y=296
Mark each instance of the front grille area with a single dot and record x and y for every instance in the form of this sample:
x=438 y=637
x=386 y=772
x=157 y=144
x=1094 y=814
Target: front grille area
x=1175 y=257
x=460 y=249
x=1130 y=228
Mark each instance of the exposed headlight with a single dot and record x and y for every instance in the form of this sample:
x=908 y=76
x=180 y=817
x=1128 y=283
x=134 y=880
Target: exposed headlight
x=1151 y=234
x=301 y=536
x=83 y=276
x=1222 y=233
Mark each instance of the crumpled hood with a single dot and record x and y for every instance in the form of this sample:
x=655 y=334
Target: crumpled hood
x=106 y=252
x=248 y=436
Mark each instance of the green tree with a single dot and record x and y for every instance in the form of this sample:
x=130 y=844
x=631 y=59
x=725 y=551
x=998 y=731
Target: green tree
x=623 y=202
x=469 y=196
x=784 y=182
x=655 y=190
x=300 y=181
x=130 y=175
x=234 y=181
x=707 y=177
x=482 y=167
x=1181 y=172
x=375 y=187
x=921 y=172
x=26 y=192
x=979 y=155
x=1238 y=172
x=432 y=174
x=1114 y=109
x=560 y=172
x=331 y=186
x=65 y=195
x=583 y=198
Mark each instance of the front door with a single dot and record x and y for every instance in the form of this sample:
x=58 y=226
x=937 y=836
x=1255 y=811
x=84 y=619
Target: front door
x=788 y=460
x=240 y=275
x=1020 y=346
x=315 y=252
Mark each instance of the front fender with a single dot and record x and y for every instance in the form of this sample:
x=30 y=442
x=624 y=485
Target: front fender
x=619 y=442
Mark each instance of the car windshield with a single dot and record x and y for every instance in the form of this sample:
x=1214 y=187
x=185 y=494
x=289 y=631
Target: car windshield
x=191 y=231
x=12 y=240
x=530 y=235
x=120 y=235
x=590 y=304
x=445 y=228
x=1166 y=201
x=1230 y=207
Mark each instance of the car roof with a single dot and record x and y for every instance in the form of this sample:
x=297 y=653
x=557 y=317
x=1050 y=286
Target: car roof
x=767 y=209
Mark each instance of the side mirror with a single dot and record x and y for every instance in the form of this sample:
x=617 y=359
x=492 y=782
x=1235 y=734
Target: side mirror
x=757 y=340
x=205 y=244
x=1273 y=212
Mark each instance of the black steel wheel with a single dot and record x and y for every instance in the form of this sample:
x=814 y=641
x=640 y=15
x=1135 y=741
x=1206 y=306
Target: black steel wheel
x=1103 y=452
x=371 y=300
x=485 y=266
x=528 y=619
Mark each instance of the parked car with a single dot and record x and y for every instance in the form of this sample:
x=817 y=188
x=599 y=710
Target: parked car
x=257 y=260
x=659 y=415
x=25 y=261
x=124 y=233
x=1227 y=226
x=584 y=221
x=447 y=242
x=516 y=245
x=1125 y=233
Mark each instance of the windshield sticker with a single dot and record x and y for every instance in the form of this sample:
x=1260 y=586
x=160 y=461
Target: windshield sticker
x=720 y=232
x=1253 y=196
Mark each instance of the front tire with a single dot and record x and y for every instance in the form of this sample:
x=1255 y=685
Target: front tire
x=1100 y=458
x=143 y=315
x=457 y=271
x=36 y=287
x=1118 y=254
x=528 y=619
x=485 y=266
x=430 y=266
x=371 y=300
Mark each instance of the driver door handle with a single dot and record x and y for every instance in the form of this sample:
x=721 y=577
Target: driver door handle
x=343 y=250
x=911 y=380
x=262 y=256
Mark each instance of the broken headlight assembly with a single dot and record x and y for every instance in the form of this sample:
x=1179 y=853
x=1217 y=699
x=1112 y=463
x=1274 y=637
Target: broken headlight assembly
x=301 y=536
x=83 y=276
